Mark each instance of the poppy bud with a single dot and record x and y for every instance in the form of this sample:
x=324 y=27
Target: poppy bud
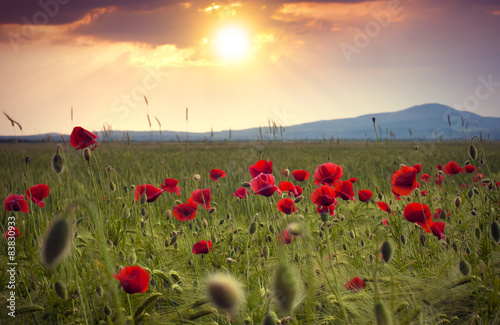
x=472 y=152
x=168 y=214
x=253 y=228
x=286 y=172
x=228 y=216
x=132 y=258
x=112 y=186
x=172 y=240
x=286 y=287
x=460 y=221
x=144 y=198
x=221 y=221
x=386 y=250
x=265 y=251
x=403 y=239
x=56 y=243
x=27 y=159
x=495 y=231
x=61 y=290
x=205 y=223
x=196 y=177
x=225 y=292
x=382 y=314
x=58 y=161
x=464 y=267
x=481 y=161
x=458 y=201
x=324 y=216
x=107 y=310
x=212 y=210
x=245 y=184
x=271 y=229
x=87 y=154
x=295 y=229
x=99 y=291
x=269 y=320
x=230 y=260
x=381 y=196
x=373 y=119
x=298 y=199
x=143 y=212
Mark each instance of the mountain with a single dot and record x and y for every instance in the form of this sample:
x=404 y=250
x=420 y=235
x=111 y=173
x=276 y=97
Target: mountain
x=422 y=122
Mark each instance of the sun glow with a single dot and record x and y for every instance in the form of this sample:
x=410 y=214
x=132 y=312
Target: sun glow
x=232 y=43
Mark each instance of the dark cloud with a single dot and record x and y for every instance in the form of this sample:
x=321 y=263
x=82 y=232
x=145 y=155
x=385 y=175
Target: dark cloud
x=68 y=11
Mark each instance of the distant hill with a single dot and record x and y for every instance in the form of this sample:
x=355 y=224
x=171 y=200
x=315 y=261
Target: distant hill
x=422 y=122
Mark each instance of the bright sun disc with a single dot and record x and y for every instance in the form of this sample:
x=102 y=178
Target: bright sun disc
x=232 y=43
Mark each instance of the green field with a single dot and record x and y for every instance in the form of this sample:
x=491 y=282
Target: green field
x=421 y=284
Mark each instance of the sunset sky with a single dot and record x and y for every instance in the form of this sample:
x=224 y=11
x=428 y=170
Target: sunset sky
x=238 y=64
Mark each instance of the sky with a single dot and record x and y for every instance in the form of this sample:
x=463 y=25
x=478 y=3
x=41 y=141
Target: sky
x=240 y=64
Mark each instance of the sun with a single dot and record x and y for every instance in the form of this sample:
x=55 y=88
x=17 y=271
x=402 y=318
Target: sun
x=232 y=43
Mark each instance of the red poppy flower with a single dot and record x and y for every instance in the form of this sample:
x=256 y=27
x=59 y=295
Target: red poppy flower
x=437 y=229
x=419 y=214
x=202 y=247
x=439 y=167
x=463 y=186
x=134 y=279
x=355 y=284
x=324 y=196
x=152 y=193
x=438 y=179
x=14 y=230
x=384 y=207
x=478 y=177
x=418 y=167
x=241 y=193
x=263 y=184
x=424 y=193
x=404 y=181
x=298 y=189
x=451 y=168
x=170 y=186
x=386 y=222
x=300 y=175
x=216 y=174
x=365 y=195
x=330 y=209
x=470 y=169
x=185 y=211
x=328 y=173
x=202 y=197
x=439 y=214
x=353 y=180
x=285 y=238
x=81 y=138
x=38 y=193
x=287 y=187
x=261 y=166
x=15 y=202
x=344 y=191
x=287 y=206
x=425 y=177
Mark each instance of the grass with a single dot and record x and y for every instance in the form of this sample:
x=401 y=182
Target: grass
x=422 y=283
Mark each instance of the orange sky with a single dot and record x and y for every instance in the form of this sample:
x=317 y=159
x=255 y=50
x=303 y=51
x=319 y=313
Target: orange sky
x=237 y=64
